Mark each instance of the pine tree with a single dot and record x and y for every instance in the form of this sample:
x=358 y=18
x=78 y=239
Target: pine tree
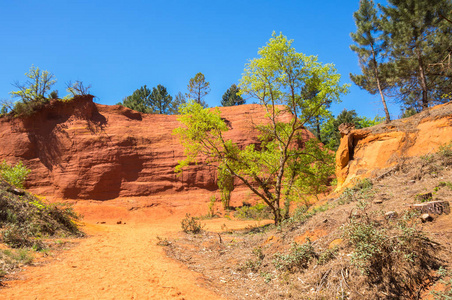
x=231 y=97
x=160 y=101
x=198 y=88
x=417 y=37
x=139 y=100
x=369 y=47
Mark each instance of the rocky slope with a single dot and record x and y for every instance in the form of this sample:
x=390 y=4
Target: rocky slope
x=83 y=150
x=366 y=152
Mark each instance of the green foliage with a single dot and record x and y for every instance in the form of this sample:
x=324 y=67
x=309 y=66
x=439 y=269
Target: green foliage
x=327 y=256
x=77 y=88
x=445 y=150
x=298 y=257
x=417 y=40
x=191 y=225
x=161 y=101
x=36 y=87
x=259 y=211
x=369 y=47
x=282 y=76
x=15 y=175
x=232 y=97
x=25 y=219
x=11 y=259
x=198 y=88
x=361 y=191
x=225 y=183
x=139 y=100
x=395 y=259
x=329 y=131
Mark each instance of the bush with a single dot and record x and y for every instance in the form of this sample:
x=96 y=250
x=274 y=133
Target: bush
x=14 y=175
x=190 y=224
x=298 y=257
x=396 y=261
x=259 y=211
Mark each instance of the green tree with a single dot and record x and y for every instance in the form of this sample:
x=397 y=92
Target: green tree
x=369 y=47
x=160 y=101
x=36 y=87
x=139 y=100
x=198 y=88
x=330 y=130
x=178 y=101
x=277 y=79
x=232 y=97
x=417 y=38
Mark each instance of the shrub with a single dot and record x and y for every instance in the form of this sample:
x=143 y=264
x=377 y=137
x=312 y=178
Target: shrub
x=259 y=211
x=191 y=225
x=14 y=175
x=397 y=261
x=298 y=257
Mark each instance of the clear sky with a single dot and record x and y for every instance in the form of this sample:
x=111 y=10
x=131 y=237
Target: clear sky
x=119 y=46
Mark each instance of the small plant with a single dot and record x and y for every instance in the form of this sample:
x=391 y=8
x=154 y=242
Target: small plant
x=298 y=257
x=162 y=241
x=446 y=280
x=445 y=150
x=14 y=175
x=327 y=256
x=253 y=264
x=259 y=211
x=191 y=225
x=211 y=207
x=396 y=260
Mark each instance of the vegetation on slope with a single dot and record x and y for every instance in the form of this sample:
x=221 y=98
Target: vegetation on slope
x=26 y=221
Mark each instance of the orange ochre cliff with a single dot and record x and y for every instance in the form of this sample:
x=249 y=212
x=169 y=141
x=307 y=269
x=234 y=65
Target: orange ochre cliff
x=366 y=152
x=83 y=150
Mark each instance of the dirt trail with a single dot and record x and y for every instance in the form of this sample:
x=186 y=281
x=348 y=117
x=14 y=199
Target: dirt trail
x=117 y=261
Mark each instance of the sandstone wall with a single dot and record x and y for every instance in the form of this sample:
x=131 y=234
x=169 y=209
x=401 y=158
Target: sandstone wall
x=364 y=152
x=83 y=150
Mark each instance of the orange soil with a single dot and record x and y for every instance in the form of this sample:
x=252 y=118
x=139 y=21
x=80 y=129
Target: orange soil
x=118 y=261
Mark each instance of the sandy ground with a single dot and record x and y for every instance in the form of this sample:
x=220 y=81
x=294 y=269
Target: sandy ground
x=118 y=261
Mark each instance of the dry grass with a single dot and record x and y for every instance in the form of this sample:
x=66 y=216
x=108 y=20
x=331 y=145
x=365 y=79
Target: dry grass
x=333 y=256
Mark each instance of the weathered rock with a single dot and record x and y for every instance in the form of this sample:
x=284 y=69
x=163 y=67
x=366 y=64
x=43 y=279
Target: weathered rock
x=362 y=152
x=378 y=201
x=426 y=218
x=433 y=207
x=83 y=150
x=391 y=215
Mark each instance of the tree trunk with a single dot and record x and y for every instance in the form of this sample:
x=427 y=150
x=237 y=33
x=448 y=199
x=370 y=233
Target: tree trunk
x=423 y=82
x=388 y=117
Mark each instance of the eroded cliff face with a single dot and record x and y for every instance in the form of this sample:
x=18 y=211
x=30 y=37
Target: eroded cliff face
x=365 y=152
x=83 y=150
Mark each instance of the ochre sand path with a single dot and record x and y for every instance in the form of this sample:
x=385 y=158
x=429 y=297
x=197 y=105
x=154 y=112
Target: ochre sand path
x=119 y=261
x=115 y=262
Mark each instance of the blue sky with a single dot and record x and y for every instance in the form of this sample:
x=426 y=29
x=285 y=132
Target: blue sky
x=119 y=46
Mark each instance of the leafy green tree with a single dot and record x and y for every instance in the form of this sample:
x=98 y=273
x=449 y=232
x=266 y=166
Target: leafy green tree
x=139 y=100
x=15 y=175
x=160 y=101
x=330 y=130
x=369 y=47
x=36 y=87
x=280 y=76
x=198 y=88
x=417 y=38
x=232 y=97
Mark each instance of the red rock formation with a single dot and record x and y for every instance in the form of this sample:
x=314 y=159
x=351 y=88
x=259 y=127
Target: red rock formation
x=83 y=150
x=362 y=152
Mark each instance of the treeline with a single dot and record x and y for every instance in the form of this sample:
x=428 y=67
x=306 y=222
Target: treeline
x=159 y=101
x=404 y=50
